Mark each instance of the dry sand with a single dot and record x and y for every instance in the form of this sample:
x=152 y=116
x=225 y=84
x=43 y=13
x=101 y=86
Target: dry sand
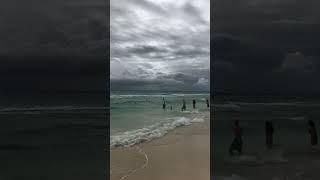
x=183 y=154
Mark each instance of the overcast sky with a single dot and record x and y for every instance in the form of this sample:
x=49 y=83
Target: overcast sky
x=160 y=44
x=266 y=46
x=53 y=45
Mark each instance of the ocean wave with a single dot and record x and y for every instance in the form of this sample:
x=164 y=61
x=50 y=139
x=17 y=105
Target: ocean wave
x=298 y=118
x=197 y=120
x=204 y=94
x=130 y=138
x=154 y=95
x=302 y=104
x=66 y=127
x=237 y=106
x=270 y=156
x=274 y=156
x=267 y=103
x=53 y=108
x=137 y=95
x=194 y=111
x=232 y=177
x=13 y=147
x=227 y=106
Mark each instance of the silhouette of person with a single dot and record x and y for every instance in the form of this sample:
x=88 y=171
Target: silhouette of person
x=269 y=134
x=313 y=133
x=171 y=108
x=237 y=141
x=194 y=103
x=183 y=105
x=208 y=103
x=164 y=104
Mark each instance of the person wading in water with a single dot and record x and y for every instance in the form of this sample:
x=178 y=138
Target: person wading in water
x=194 y=103
x=313 y=133
x=164 y=104
x=269 y=134
x=237 y=141
x=183 y=105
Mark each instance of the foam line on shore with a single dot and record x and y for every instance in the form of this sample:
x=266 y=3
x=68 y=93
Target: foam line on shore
x=145 y=164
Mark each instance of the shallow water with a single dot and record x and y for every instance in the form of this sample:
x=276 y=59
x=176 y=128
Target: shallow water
x=138 y=116
x=289 y=116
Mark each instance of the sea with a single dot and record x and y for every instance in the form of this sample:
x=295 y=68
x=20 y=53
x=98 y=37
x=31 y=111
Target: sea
x=138 y=116
x=291 y=152
x=43 y=134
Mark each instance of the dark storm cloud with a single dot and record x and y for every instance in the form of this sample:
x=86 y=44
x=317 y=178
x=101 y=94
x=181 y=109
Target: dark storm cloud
x=53 y=46
x=146 y=49
x=173 y=83
x=266 y=46
x=53 y=27
x=150 y=6
x=160 y=41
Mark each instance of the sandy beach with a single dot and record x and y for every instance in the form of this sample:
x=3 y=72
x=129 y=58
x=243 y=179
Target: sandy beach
x=181 y=154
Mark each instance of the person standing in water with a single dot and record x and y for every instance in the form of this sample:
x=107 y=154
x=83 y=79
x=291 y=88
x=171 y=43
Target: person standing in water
x=313 y=133
x=183 y=105
x=164 y=104
x=237 y=141
x=269 y=134
x=208 y=103
x=194 y=103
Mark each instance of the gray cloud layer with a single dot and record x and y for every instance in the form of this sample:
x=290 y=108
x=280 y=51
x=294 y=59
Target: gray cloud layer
x=44 y=27
x=160 y=44
x=263 y=46
x=53 y=45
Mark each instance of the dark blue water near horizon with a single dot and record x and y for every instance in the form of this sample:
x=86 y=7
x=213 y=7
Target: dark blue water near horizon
x=42 y=135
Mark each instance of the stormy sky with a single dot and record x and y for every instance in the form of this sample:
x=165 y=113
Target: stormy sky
x=265 y=46
x=53 y=45
x=160 y=45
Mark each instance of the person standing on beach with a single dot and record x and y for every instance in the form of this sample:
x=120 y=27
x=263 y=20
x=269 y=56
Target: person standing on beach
x=237 y=141
x=164 y=104
x=269 y=134
x=313 y=133
x=171 y=108
x=183 y=105
x=194 y=103
x=208 y=103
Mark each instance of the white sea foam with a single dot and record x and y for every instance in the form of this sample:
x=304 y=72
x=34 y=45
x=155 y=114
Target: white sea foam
x=197 y=120
x=243 y=159
x=151 y=132
x=269 y=156
x=300 y=104
x=194 y=111
x=268 y=104
x=298 y=118
x=53 y=108
x=227 y=106
x=273 y=156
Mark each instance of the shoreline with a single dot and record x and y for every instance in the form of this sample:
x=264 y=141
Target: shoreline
x=183 y=153
x=282 y=162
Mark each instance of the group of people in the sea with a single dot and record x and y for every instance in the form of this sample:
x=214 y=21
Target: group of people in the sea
x=184 y=106
x=237 y=142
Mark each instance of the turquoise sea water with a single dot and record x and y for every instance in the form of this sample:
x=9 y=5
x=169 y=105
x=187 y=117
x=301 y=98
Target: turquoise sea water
x=139 y=116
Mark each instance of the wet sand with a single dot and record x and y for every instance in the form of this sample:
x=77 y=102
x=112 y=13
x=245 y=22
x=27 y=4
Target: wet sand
x=182 y=154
